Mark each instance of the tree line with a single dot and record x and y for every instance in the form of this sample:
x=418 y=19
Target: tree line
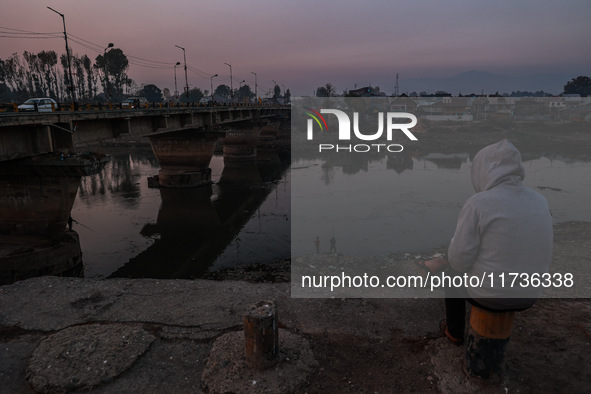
x=580 y=85
x=45 y=74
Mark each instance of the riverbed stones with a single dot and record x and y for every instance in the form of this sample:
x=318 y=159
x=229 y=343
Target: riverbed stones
x=82 y=357
x=226 y=370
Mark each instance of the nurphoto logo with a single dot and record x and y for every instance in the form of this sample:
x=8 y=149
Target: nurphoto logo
x=390 y=119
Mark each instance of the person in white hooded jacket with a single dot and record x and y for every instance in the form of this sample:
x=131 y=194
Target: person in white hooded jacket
x=503 y=229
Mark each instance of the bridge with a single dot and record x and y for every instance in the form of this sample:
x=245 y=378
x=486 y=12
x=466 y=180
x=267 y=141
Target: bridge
x=30 y=134
x=40 y=168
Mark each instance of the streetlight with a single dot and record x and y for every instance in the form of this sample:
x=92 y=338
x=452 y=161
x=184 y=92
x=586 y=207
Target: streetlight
x=68 y=55
x=211 y=83
x=107 y=81
x=231 y=88
x=186 y=80
x=240 y=87
x=176 y=91
x=255 y=85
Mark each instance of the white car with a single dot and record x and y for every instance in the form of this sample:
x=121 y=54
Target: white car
x=39 y=104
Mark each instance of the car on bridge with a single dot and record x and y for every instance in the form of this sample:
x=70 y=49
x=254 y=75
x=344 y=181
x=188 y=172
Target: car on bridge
x=43 y=104
x=134 y=102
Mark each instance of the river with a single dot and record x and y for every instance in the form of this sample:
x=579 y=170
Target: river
x=407 y=204
x=130 y=230
x=411 y=204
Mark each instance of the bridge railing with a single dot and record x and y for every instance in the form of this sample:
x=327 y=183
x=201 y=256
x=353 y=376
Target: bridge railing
x=87 y=106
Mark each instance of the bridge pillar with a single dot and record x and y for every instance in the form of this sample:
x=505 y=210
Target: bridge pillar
x=184 y=157
x=270 y=131
x=241 y=143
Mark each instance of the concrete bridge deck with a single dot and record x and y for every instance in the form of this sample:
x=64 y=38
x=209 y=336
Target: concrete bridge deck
x=30 y=134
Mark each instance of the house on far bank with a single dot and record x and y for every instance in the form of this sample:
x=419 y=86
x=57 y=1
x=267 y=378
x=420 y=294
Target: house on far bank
x=366 y=91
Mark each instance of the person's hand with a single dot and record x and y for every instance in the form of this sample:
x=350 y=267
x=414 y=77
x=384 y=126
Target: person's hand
x=434 y=266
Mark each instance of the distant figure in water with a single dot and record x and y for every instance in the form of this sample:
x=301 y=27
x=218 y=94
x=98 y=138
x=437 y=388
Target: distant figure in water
x=333 y=245
x=317 y=243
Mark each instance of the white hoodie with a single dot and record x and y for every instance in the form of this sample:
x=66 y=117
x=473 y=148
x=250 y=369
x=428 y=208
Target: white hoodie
x=504 y=229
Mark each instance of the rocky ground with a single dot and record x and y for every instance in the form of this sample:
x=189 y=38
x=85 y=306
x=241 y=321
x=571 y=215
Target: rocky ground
x=154 y=336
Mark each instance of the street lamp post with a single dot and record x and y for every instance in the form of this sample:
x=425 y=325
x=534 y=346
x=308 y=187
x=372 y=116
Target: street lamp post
x=255 y=86
x=107 y=81
x=211 y=83
x=239 y=92
x=176 y=91
x=231 y=88
x=186 y=80
x=68 y=55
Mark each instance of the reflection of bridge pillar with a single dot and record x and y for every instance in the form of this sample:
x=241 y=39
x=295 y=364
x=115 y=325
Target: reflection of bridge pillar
x=269 y=131
x=189 y=212
x=36 y=198
x=184 y=157
x=36 y=205
x=241 y=143
x=240 y=172
x=191 y=235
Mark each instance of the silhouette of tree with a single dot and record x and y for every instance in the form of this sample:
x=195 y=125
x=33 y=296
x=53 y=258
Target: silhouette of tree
x=579 y=85
x=244 y=94
x=327 y=90
x=151 y=92
x=116 y=64
x=222 y=93
x=195 y=95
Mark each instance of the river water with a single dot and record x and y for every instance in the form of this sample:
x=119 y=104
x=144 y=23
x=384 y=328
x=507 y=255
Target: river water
x=404 y=204
x=130 y=230
x=400 y=204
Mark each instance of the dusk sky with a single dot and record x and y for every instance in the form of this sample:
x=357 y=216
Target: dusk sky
x=305 y=44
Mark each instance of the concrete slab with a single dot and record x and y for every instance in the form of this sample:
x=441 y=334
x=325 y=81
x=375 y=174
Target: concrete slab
x=82 y=357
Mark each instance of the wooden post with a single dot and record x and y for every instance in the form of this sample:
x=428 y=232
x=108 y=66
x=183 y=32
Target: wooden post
x=261 y=336
x=488 y=337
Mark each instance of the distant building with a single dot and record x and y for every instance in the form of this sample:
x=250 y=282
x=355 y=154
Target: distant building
x=366 y=91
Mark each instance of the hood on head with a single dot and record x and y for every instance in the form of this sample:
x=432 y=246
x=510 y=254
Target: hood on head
x=496 y=164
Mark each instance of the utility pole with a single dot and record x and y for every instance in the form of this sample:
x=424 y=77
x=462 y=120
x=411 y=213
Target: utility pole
x=176 y=91
x=275 y=84
x=186 y=80
x=231 y=87
x=255 y=86
x=396 y=87
x=107 y=81
x=72 y=95
x=211 y=83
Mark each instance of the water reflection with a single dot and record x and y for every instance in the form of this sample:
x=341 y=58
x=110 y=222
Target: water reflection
x=400 y=163
x=180 y=233
x=120 y=178
x=407 y=203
